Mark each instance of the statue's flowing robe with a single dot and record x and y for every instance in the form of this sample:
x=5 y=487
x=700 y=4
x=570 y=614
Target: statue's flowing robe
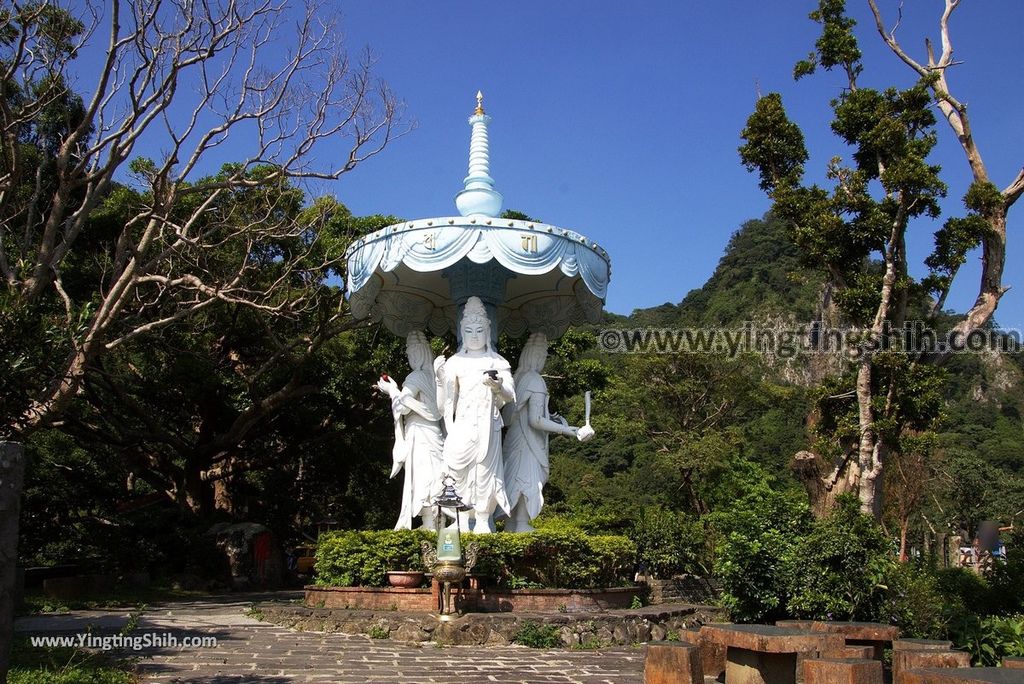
x=526 y=448
x=472 y=448
x=418 y=447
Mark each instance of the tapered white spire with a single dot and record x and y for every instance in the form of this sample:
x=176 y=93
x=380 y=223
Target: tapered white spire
x=479 y=198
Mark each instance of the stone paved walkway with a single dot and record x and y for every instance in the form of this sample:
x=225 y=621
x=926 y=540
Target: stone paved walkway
x=251 y=651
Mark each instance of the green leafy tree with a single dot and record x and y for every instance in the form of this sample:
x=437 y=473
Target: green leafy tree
x=856 y=229
x=233 y=388
x=759 y=537
x=669 y=542
x=74 y=289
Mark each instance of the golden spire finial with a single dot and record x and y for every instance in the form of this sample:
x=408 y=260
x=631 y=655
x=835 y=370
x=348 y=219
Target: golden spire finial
x=479 y=103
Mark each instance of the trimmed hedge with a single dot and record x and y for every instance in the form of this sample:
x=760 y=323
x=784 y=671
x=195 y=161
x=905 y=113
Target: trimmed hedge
x=354 y=558
x=565 y=559
x=546 y=558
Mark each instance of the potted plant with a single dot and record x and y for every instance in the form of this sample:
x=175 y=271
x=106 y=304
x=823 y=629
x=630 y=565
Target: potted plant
x=399 y=554
x=409 y=579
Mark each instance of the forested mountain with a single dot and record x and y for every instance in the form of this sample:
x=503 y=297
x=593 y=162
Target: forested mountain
x=759 y=276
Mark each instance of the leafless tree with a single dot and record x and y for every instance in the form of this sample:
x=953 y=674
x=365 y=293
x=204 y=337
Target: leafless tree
x=937 y=68
x=185 y=77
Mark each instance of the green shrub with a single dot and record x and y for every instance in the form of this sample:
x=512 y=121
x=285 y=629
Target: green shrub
x=668 y=542
x=1007 y=578
x=915 y=602
x=757 y=539
x=566 y=558
x=545 y=558
x=839 y=569
x=362 y=558
x=964 y=584
x=989 y=639
x=536 y=635
x=1001 y=592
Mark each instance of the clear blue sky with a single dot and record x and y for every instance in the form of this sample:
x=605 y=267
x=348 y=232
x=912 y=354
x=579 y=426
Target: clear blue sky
x=621 y=120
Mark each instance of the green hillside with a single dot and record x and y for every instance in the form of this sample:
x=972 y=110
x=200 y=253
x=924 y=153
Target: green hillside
x=759 y=276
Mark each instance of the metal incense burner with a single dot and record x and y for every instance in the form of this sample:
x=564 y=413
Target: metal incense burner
x=445 y=559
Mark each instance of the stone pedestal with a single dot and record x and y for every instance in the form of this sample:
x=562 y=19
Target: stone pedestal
x=712 y=655
x=753 y=667
x=915 y=645
x=763 y=654
x=12 y=470
x=904 y=660
x=842 y=671
x=965 y=675
x=672 y=662
x=1014 y=663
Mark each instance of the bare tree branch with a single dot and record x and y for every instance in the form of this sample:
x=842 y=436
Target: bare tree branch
x=993 y=243
x=185 y=76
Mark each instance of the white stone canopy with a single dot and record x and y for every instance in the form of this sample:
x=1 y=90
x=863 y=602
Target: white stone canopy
x=407 y=275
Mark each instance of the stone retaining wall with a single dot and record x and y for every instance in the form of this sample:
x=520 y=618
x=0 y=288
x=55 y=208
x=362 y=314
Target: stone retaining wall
x=372 y=598
x=654 y=623
x=683 y=589
x=474 y=599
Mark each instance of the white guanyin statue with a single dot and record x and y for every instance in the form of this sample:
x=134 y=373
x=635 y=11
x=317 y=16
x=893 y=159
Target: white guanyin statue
x=472 y=386
x=418 y=439
x=526 y=441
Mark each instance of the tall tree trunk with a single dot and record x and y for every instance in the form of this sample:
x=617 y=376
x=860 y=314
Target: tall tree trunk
x=12 y=471
x=867 y=447
x=904 y=524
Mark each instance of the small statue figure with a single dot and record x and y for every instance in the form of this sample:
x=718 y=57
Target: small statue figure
x=526 y=442
x=472 y=386
x=418 y=440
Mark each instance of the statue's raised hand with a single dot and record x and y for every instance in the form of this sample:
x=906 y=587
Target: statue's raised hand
x=439 y=369
x=388 y=386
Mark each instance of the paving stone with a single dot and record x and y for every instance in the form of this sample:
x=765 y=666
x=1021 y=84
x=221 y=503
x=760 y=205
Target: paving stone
x=249 y=651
